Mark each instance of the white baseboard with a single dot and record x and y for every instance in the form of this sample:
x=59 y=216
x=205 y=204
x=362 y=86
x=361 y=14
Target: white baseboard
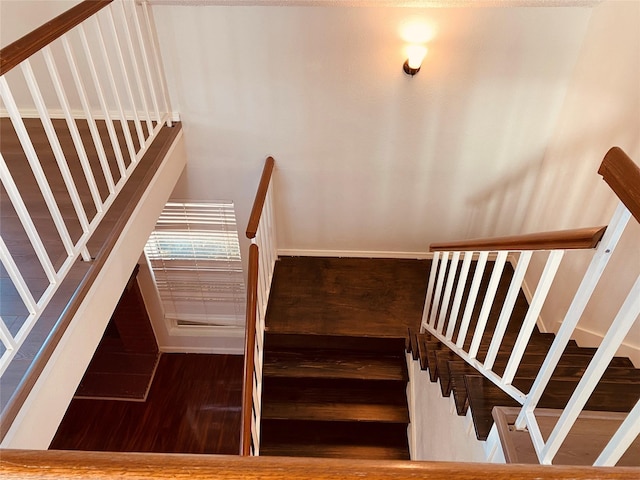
x=293 y=252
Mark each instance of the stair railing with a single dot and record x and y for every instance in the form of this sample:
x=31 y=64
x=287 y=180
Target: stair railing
x=262 y=259
x=444 y=306
x=101 y=57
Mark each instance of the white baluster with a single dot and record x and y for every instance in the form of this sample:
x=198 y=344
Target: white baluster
x=429 y=296
x=27 y=223
x=115 y=144
x=621 y=440
x=134 y=63
x=16 y=278
x=618 y=330
x=145 y=61
x=91 y=122
x=34 y=162
x=579 y=303
x=73 y=128
x=158 y=60
x=446 y=299
x=444 y=263
x=539 y=297
x=457 y=300
x=9 y=345
x=61 y=160
x=124 y=123
x=492 y=288
x=125 y=76
x=471 y=299
x=507 y=308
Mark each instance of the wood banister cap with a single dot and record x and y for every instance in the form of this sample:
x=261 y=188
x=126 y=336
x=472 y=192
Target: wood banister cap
x=561 y=240
x=50 y=464
x=18 y=51
x=261 y=195
x=623 y=176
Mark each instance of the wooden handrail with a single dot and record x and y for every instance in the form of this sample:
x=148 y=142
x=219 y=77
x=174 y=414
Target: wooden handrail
x=51 y=464
x=249 y=352
x=561 y=240
x=17 y=52
x=623 y=176
x=261 y=195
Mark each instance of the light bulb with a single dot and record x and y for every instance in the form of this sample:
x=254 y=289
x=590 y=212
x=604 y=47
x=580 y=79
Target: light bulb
x=415 y=54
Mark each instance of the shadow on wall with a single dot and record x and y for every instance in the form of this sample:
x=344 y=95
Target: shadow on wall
x=564 y=193
x=501 y=208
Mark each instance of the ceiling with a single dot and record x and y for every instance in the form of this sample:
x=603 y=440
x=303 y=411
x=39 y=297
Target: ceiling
x=367 y=158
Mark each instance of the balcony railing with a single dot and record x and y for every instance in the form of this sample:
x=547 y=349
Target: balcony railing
x=92 y=81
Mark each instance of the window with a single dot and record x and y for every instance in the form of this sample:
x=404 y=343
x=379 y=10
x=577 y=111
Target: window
x=195 y=257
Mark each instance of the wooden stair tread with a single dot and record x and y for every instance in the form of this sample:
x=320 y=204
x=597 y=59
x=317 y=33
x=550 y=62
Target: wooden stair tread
x=330 y=390
x=363 y=452
x=568 y=367
x=332 y=434
x=484 y=395
x=382 y=345
x=351 y=411
x=320 y=364
x=586 y=439
x=334 y=396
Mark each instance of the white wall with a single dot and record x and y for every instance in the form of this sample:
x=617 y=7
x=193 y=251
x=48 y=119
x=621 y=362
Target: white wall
x=602 y=109
x=367 y=158
x=19 y=17
x=437 y=433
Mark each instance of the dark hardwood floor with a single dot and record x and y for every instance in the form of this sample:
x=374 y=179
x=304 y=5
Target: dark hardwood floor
x=193 y=407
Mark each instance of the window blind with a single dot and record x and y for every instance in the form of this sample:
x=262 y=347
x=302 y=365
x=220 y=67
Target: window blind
x=195 y=257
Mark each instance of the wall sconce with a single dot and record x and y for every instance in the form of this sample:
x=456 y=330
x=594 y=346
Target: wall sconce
x=415 y=54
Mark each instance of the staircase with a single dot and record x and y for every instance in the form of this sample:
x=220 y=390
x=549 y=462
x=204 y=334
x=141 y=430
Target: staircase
x=335 y=397
x=617 y=391
x=335 y=373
